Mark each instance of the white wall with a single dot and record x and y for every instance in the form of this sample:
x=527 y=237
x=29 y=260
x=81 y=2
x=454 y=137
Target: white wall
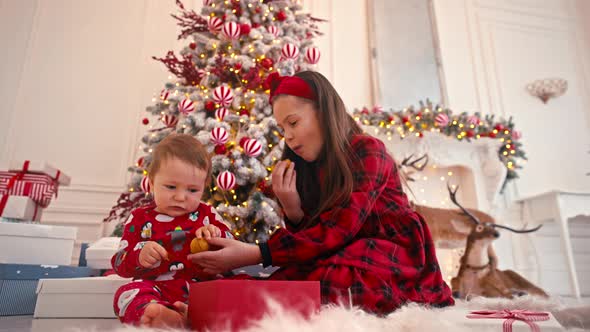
x=491 y=49
x=76 y=77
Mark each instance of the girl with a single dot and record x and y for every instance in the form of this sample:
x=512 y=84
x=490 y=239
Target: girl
x=349 y=224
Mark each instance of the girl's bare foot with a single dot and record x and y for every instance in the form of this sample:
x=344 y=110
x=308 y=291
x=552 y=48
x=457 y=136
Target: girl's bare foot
x=159 y=316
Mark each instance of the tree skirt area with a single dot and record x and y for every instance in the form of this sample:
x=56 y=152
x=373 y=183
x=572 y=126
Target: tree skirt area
x=413 y=317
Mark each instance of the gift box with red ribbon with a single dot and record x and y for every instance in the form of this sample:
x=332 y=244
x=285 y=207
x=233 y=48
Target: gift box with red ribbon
x=517 y=320
x=36 y=180
x=235 y=304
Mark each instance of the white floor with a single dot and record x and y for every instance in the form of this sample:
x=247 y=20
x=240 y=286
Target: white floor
x=28 y=323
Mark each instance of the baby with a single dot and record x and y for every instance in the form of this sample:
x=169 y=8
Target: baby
x=156 y=239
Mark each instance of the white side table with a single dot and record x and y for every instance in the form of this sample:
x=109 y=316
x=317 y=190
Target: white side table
x=559 y=206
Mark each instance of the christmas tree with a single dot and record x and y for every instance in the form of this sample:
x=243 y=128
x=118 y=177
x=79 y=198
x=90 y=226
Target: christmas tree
x=219 y=96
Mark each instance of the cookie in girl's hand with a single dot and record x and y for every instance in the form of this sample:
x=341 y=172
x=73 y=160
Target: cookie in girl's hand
x=199 y=244
x=288 y=163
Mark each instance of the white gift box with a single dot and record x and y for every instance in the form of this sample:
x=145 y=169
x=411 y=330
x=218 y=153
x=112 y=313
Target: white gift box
x=36 y=166
x=77 y=297
x=36 y=244
x=459 y=315
x=21 y=207
x=99 y=254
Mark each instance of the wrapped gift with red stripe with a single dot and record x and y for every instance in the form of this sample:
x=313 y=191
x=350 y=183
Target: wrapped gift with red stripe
x=36 y=180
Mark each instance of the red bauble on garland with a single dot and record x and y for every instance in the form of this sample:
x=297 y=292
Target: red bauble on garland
x=145 y=121
x=192 y=46
x=244 y=112
x=210 y=105
x=267 y=63
x=470 y=133
x=499 y=127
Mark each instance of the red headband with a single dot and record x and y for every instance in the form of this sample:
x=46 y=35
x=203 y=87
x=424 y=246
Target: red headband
x=289 y=85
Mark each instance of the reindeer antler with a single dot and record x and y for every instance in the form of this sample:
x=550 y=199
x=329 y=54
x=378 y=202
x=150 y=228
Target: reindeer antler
x=406 y=162
x=454 y=200
x=519 y=230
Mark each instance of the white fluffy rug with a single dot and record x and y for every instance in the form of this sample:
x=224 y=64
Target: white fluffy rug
x=413 y=317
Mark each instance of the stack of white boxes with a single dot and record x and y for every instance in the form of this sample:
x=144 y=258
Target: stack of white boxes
x=73 y=294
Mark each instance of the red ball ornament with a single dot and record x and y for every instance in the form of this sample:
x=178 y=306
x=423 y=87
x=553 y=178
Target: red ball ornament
x=492 y=135
x=255 y=25
x=238 y=66
x=266 y=63
x=245 y=29
x=210 y=106
x=244 y=112
x=281 y=16
x=140 y=162
x=192 y=46
x=405 y=119
x=499 y=127
x=220 y=149
x=243 y=141
x=420 y=135
x=145 y=121
x=470 y=133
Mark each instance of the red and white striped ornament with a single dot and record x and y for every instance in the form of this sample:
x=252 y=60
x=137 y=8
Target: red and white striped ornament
x=170 y=120
x=215 y=24
x=221 y=113
x=312 y=55
x=252 y=148
x=223 y=95
x=290 y=51
x=273 y=29
x=145 y=185
x=164 y=95
x=473 y=120
x=441 y=120
x=231 y=30
x=219 y=136
x=226 y=180
x=186 y=106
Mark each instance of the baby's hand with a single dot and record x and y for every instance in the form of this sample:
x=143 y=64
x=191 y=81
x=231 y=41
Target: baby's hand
x=208 y=231
x=152 y=254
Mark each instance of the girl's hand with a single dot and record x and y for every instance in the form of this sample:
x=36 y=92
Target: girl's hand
x=152 y=254
x=232 y=254
x=284 y=181
x=208 y=231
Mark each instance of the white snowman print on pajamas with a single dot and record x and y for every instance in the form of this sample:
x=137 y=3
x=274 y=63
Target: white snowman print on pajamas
x=125 y=298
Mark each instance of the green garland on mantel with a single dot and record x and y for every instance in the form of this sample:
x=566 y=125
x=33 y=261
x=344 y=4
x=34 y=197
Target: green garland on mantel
x=463 y=127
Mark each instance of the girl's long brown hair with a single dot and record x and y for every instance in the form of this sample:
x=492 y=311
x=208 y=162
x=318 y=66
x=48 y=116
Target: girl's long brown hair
x=336 y=156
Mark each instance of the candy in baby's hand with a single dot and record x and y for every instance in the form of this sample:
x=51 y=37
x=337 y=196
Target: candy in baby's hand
x=288 y=163
x=198 y=245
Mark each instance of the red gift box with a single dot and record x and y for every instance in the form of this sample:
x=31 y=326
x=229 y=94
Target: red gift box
x=235 y=304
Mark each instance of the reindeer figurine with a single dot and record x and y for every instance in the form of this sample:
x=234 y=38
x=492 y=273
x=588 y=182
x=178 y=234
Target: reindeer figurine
x=478 y=273
x=440 y=221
